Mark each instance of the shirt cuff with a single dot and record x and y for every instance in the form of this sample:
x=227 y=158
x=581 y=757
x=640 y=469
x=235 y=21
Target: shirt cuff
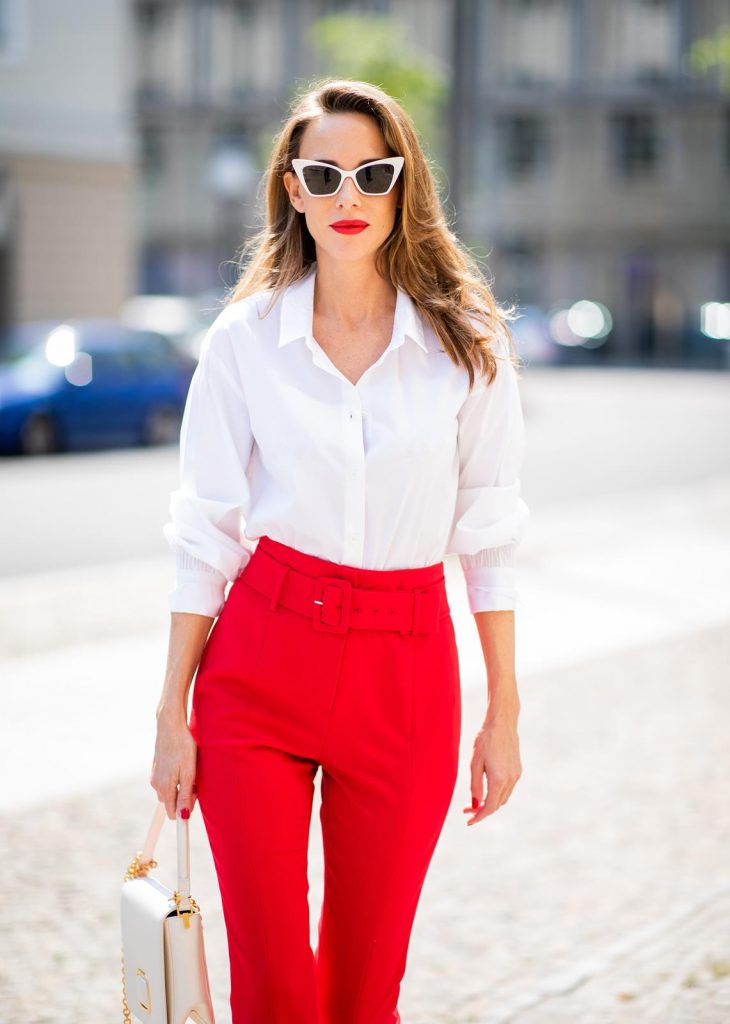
x=199 y=587
x=200 y=594
x=491 y=588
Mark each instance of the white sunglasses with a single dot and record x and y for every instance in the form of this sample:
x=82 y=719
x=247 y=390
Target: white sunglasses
x=373 y=179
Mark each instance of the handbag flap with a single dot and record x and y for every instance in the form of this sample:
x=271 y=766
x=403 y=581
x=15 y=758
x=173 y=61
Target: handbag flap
x=187 y=971
x=145 y=903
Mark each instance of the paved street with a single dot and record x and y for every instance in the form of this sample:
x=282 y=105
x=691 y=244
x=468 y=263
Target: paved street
x=600 y=894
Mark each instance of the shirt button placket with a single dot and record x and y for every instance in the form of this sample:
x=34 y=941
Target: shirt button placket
x=355 y=490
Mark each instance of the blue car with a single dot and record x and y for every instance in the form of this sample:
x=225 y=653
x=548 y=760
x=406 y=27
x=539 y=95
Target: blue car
x=85 y=384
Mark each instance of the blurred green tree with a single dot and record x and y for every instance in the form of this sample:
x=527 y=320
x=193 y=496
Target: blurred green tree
x=712 y=52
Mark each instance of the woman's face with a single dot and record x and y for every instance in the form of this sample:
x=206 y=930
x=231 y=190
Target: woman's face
x=346 y=140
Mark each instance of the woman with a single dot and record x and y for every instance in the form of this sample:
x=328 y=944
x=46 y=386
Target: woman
x=356 y=410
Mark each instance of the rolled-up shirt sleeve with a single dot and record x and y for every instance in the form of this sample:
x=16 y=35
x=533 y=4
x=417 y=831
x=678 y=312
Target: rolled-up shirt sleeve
x=490 y=517
x=213 y=496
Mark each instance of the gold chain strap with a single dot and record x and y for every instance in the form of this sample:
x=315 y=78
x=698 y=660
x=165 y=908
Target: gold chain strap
x=125 y=1005
x=195 y=909
x=135 y=869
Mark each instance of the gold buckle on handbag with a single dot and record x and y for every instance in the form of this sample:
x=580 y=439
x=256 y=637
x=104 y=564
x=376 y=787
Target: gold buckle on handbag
x=185 y=914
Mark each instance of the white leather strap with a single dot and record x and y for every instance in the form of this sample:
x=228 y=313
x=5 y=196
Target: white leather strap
x=183 y=857
x=148 y=850
x=183 y=849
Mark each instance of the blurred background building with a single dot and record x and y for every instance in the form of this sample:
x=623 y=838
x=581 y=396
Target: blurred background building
x=585 y=150
x=596 y=163
x=68 y=190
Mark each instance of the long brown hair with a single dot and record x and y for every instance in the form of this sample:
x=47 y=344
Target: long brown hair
x=421 y=255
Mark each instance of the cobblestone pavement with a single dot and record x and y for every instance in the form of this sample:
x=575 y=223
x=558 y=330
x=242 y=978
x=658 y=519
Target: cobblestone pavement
x=600 y=894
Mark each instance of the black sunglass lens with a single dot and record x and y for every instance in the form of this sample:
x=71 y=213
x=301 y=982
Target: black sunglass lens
x=376 y=179
x=321 y=181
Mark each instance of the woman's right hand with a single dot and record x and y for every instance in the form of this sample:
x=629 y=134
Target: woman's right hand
x=174 y=764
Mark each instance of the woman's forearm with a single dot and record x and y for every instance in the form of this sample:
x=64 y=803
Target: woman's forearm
x=188 y=634
x=497 y=636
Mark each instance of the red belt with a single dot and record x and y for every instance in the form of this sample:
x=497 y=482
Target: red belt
x=335 y=605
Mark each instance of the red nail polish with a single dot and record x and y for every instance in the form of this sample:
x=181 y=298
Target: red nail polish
x=474 y=803
x=184 y=813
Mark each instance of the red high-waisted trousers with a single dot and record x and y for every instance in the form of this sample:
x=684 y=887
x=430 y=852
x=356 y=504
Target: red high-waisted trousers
x=278 y=694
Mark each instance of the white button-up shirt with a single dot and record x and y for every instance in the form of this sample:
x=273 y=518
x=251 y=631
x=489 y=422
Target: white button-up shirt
x=395 y=471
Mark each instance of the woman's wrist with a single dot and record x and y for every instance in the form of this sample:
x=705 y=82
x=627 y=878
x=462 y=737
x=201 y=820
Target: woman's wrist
x=502 y=711
x=503 y=705
x=172 y=710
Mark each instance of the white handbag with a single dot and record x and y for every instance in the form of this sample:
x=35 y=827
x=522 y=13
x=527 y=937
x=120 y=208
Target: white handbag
x=164 y=970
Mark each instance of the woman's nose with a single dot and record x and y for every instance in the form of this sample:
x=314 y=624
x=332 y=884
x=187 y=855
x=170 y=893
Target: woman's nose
x=348 y=192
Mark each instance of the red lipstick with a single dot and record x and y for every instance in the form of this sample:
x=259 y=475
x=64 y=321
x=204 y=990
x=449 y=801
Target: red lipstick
x=349 y=227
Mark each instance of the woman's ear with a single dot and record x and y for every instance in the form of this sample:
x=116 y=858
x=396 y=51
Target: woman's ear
x=291 y=184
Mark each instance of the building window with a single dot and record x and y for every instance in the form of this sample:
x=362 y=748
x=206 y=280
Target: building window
x=521 y=142
x=529 y=40
x=520 y=271
x=151 y=154
x=631 y=40
x=636 y=143
x=12 y=31
x=151 y=13
x=244 y=11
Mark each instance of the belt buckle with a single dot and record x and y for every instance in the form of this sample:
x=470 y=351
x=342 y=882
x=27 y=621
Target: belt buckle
x=323 y=585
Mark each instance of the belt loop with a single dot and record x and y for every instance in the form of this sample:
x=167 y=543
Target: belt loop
x=426 y=608
x=281 y=571
x=410 y=628
x=418 y=625
x=439 y=594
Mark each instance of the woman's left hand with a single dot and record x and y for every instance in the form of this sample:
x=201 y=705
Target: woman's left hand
x=496 y=754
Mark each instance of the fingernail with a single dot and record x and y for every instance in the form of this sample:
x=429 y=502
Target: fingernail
x=474 y=803
x=184 y=813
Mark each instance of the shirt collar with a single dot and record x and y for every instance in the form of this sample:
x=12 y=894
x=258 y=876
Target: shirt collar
x=297 y=306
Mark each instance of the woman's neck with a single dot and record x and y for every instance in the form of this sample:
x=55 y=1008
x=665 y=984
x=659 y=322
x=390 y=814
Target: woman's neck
x=351 y=295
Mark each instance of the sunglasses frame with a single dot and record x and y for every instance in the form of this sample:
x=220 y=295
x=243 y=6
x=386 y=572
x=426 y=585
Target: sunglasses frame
x=299 y=164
